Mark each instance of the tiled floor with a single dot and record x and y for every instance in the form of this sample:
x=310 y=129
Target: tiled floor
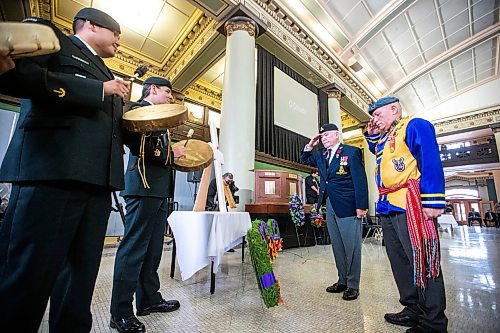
x=470 y=261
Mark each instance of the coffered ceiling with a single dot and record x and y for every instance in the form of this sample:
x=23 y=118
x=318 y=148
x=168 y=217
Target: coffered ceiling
x=425 y=52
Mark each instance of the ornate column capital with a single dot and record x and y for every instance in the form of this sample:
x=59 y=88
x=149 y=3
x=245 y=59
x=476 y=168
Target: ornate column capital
x=334 y=91
x=241 y=23
x=335 y=94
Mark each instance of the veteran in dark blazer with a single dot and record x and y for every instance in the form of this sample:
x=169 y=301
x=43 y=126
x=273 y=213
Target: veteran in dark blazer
x=64 y=160
x=344 y=187
x=139 y=254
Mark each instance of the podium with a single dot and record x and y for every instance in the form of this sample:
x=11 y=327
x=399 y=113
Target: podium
x=271 y=200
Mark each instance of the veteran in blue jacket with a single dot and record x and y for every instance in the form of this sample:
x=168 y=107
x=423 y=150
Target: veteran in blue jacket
x=344 y=187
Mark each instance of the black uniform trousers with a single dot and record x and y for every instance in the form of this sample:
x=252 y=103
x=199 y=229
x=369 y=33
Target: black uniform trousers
x=428 y=305
x=50 y=245
x=138 y=256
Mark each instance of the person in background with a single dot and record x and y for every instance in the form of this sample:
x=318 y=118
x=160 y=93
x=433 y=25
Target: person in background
x=312 y=187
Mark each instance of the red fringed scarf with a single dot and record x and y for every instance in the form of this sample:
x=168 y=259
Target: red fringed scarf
x=423 y=235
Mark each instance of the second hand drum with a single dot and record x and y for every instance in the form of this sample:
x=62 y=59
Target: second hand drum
x=152 y=118
x=149 y=119
x=199 y=155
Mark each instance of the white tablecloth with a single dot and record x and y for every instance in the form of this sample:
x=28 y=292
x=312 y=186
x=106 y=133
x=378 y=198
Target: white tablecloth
x=447 y=219
x=201 y=237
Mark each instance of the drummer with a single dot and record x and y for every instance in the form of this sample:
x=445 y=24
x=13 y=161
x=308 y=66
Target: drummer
x=138 y=256
x=64 y=160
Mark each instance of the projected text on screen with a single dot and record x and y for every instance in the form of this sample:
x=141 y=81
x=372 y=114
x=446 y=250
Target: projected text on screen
x=295 y=106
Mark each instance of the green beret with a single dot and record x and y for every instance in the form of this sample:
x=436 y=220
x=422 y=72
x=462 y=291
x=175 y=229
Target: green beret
x=158 y=81
x=381 y=102
x=98 y=17
x=328 y=127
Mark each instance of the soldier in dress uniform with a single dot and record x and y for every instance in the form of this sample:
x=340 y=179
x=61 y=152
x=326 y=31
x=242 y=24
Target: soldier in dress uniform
x=139 y=254
x=65 y=158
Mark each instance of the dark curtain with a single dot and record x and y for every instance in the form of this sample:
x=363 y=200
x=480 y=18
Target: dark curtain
x=269 y=138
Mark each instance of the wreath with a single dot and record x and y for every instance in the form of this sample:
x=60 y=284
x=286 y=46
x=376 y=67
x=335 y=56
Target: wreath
x=297 y=211
x=316 y=217
x=260 y=237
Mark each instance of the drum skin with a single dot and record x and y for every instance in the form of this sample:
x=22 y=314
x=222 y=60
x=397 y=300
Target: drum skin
x=27 y=40
x=199 y=155
x=153 y=118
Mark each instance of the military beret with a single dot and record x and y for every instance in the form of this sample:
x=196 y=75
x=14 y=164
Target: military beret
x=328 y=127
x=98 y=17
x=158 y=81
x=381 y=102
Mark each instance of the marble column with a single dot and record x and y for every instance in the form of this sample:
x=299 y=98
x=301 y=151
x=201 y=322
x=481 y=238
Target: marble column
x=334 y=116
x=237 y=125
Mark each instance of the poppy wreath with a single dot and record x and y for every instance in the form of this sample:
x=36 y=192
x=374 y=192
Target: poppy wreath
x=297 y=211
x=258 y=243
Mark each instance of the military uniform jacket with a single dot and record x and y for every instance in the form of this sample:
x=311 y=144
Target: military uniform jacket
x=67 y=128
x=343 y=182
x=158 y=170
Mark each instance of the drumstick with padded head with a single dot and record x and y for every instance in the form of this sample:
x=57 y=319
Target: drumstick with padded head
x=139 y=72
x=189 y=135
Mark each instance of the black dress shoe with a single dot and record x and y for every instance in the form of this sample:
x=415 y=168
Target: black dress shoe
x=401 y=318
x=336 y=288
x=127 y=325
x=350 y=294
x=421 y=329
x=163 y=306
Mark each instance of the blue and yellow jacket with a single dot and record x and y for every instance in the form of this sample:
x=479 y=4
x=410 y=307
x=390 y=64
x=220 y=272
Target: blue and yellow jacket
x=408 y=150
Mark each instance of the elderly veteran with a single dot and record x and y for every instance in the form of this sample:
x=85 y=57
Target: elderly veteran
x=344 y=187
x=65 y=158
x=410 y=179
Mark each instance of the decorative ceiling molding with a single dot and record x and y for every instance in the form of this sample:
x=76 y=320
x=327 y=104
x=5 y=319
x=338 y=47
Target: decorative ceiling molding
x=467 y=123
x=293 y=36
x=205 y=94
x=203 y=31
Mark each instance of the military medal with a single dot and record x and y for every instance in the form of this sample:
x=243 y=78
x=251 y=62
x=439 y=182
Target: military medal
x=341 y=171
x=157 y=152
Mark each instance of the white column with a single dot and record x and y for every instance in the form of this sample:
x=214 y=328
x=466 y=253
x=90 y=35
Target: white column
x=237 y=125
x=334 y=110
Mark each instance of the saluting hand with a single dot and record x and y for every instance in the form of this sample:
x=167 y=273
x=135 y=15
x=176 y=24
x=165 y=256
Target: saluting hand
x=314 y=141
x=372 y=127
x=179 y=151
x=116 y=87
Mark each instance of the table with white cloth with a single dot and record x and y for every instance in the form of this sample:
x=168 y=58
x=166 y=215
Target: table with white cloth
x=203 y=237
x=447 y=220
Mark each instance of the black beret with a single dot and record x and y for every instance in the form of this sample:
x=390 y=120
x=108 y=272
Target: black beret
x=328 y=127
x=158 y=81
x=98 y=17
x=381 y=102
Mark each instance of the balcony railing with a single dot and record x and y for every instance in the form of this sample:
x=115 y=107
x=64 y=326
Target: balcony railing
x=474 y=154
